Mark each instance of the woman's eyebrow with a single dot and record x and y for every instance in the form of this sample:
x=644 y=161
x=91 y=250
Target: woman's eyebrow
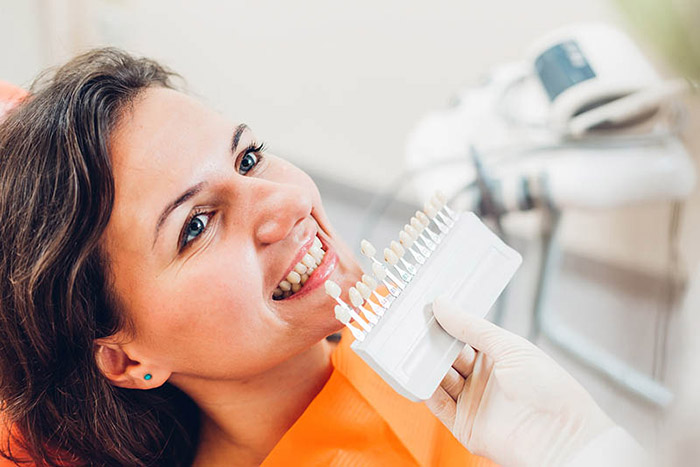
x=184 y=197
x=192 y=191
x=237 y=136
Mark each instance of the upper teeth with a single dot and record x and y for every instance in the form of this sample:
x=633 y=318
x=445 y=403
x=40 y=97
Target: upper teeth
x=301 y=271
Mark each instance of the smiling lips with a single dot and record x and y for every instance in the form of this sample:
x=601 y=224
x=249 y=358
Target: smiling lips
x=296 y=279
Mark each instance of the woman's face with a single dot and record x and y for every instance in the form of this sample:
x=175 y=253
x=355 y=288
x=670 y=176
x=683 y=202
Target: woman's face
x=205 y=226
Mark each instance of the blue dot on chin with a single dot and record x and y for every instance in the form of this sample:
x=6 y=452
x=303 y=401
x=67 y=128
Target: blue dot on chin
x=147 y=377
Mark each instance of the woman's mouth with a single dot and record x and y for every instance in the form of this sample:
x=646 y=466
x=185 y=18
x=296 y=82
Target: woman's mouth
x=301 y=272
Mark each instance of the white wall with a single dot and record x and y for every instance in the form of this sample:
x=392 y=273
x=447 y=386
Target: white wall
x=333 y=86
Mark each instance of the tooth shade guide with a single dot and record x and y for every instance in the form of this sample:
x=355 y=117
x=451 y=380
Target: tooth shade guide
x=405 y=239
x=332 y=289
x=409 y=267
x=372 y=284
x=441 y=197
x=397 y=248
x=438 y=206
x=357 y=319
x=417 y=225
x=369 y=281
x=406 y=346
x=364 y=291
x=379 y=271
x=342 y=315
x=422 y=218
x=355 y=297
x=367 y=249
x=390 y=257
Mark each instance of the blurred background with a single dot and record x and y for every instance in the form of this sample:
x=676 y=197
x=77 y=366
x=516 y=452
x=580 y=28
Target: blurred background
x=341 y=88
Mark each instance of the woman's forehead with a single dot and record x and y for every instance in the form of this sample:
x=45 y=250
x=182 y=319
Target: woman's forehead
x=165 y=142
x=162 y=123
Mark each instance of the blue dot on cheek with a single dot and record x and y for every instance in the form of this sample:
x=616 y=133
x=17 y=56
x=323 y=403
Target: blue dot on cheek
x=147 y=377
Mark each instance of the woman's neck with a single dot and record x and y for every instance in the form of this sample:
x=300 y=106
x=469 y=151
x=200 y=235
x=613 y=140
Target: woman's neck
x=243 y=420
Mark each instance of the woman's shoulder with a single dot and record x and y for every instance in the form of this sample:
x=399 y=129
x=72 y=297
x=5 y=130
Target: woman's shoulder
x=357 y=419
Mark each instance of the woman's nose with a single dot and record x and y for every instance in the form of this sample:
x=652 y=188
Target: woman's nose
x=279 y=207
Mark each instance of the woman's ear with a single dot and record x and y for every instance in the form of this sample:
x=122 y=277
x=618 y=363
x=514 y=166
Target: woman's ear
x=121 y=370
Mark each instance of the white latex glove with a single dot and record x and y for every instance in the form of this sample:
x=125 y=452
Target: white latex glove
x=508 y=401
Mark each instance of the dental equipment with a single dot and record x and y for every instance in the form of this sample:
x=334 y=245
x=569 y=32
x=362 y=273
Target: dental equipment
x=583 y=121
x=405 y=344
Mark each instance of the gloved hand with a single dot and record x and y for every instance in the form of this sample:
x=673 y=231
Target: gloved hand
x=506 y=400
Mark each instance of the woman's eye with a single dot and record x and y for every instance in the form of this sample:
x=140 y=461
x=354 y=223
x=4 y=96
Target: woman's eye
x=195 y=228
x=248 y=161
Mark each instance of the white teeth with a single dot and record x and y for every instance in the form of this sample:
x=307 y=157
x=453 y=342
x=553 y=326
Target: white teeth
x=301 y=272
x=378 y=271
x=430 y=210
x=365 y=291
x=332 y=289
x=355 y=297
x=423 y=219
x=367 y=249
x=369 y=281
x=294 y=277
x=405 y=239
x=317 y=253
x=417 y=225
x=342 y=315
x=390 y=257
x=396 y=248
x=308 y=261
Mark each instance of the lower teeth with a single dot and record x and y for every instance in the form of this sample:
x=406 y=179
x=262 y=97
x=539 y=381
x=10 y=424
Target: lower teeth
x=280 y=294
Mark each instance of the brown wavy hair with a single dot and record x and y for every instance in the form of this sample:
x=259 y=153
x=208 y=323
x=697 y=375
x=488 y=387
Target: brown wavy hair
x=56 y=197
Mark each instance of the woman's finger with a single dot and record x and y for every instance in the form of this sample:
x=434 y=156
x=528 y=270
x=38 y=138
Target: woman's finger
x=443 y=406
x=452 y=383
x=464 y=363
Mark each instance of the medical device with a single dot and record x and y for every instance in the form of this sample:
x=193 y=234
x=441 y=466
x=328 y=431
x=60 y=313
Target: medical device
x=582 y=122
x=594 y=76
x=440 y=252
x=584 y=113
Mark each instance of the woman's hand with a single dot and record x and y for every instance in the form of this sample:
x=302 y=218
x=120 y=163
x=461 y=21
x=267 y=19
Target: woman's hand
x=506 y=400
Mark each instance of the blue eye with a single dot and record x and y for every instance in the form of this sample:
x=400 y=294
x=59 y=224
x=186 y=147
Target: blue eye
x=195 y=227
x=252 y=155
x=248 y=161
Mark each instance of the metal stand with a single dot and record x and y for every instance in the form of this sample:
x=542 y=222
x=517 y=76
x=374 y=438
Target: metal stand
x=573 y=344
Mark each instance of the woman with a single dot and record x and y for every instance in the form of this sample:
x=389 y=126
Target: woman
x=144 y=242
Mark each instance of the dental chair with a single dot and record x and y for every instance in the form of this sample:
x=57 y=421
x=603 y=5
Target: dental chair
x=10 y=96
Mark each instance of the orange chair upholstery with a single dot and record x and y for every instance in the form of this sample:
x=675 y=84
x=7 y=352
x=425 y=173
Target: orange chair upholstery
x=10 y=96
